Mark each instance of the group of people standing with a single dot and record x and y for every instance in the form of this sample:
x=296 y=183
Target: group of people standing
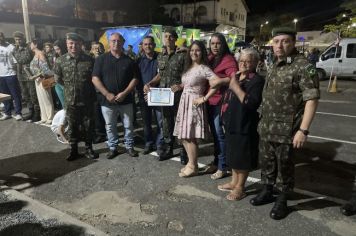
x=252 y=120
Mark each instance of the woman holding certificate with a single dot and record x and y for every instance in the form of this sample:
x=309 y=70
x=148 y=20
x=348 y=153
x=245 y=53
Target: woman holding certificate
x=191 y=121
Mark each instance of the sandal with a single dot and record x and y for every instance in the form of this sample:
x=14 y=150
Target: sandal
x=218 y=175
x=236 y=195
x=188 y=172
x=225 y=187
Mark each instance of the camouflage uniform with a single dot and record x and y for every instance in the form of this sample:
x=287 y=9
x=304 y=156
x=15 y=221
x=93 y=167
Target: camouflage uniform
x=170 y=71
x=289 y=84
x=79 y=95
x=23 y=56
x=50 y=58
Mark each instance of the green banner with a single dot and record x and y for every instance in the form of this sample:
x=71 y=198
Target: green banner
x=157 y=35
x=231 y=40
x=191 y=35
x=179 y=30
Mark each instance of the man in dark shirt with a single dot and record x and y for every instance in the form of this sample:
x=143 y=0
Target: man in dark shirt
x=147 y=64
x=115 y=76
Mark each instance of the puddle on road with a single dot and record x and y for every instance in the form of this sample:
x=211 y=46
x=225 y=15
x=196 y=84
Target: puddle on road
x=192 y=191
x=107 y=205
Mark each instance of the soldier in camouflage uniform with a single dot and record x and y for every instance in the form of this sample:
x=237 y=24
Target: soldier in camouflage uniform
x=73 y=70
x=49 y=53
x=170 y=66
x=23 y=56
x=290 y=99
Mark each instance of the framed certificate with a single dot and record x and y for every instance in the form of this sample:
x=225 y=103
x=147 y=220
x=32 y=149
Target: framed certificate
x=160 y=97
x=4 y=97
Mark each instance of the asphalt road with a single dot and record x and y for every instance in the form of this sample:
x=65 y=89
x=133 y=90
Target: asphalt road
x=141 y=196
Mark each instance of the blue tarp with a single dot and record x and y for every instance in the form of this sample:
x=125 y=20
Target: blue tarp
x=133 y=36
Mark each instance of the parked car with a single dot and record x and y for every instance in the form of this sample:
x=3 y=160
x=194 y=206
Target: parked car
x=340 y=60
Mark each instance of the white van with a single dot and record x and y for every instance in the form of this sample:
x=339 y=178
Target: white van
x=344 y=62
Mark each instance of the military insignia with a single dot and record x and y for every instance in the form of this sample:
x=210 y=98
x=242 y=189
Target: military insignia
x=311 y=70
x=289 y=60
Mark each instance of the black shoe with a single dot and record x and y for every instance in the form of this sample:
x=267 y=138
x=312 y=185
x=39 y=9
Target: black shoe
x=27 y=117
x=165 y=156
x=263 y=197
x=73 y=153
x=90 y=154
x=111 y=154
x=99 y=139
x=147 y=150
x=183 y=157
x=280 y=209
x=348 y=209
x=132 y=152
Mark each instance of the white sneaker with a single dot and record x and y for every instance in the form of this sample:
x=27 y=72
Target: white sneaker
x=17 y=117
x=5 y=117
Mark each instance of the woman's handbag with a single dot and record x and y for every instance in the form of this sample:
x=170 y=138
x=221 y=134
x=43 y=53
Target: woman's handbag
x=48 y=82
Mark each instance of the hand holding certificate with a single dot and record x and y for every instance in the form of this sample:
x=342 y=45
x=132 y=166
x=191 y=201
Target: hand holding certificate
x=160 y=97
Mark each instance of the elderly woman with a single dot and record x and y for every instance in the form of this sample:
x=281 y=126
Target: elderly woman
x=240 y=119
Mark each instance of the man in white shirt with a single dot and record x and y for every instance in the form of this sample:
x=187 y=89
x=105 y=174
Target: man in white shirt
x=9 y=83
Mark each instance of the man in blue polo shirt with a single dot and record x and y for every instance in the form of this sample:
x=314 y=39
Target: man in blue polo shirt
x=147 y=64
x=115 y=76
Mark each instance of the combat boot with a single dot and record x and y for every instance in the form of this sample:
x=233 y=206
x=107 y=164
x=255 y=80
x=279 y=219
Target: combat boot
x=166 y=154
x=263 y=197
x=349 y=208
x=183 y=157
x=89 y=152
x=280 y=209
x=29 y=115
x=73 y=154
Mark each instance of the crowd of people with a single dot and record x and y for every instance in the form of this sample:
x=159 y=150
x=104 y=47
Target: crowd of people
x=252 y=119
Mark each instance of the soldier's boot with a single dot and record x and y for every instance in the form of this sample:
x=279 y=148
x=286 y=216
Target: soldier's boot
x=349 y=208
x=166 y=154
x=36 y=115
x=280 y=209
x=263 y=197
x=73 y=154
x=183 y=157
x=89 y=152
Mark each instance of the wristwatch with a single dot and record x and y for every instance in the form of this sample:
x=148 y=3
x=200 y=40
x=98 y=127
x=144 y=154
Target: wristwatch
x=304 y=131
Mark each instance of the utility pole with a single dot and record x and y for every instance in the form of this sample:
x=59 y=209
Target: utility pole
x=26 y=20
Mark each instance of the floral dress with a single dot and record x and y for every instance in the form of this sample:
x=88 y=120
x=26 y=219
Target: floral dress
x=191 y=121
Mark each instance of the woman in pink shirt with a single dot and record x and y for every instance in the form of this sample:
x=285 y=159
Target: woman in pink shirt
x=223 y=64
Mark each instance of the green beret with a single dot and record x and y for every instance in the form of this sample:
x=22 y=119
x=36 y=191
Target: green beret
x=283 y=31
x=172 y=31
x=18 y=34
x=74 y=36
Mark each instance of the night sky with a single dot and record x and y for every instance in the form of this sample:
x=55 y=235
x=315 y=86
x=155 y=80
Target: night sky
x=311 y=14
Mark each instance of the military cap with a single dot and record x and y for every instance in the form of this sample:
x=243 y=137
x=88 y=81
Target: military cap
x=18 y=34
x=74 y=36
x=48 y=43
x=283 y=31
x=172 y=31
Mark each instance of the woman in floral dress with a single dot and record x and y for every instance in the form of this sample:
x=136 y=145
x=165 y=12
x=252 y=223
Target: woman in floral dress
x=191 y=121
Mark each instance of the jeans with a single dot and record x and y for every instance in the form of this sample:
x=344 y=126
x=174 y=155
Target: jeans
x=10 y=85
x=111 y=114
x=215 y=124
x=147 y=112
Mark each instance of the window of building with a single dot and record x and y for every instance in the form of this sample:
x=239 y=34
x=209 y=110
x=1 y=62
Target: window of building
x=232 y=16
x=175 y=14
x=201 y=11
x=117 y=17
x=222 y=11
x=104 y=17
x=351 y=50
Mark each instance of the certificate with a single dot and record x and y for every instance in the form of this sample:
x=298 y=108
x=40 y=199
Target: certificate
x=160 y=97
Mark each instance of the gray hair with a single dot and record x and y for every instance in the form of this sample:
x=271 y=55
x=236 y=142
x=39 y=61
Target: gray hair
x=251 y=52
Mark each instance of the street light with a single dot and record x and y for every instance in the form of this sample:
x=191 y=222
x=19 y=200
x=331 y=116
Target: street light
x=295 y=24
x=266 y=22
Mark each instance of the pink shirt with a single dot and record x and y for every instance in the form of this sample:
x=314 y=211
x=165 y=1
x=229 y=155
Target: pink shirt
x=226 y=68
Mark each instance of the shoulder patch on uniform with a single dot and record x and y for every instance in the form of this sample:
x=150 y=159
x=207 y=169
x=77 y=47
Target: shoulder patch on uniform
x=310 y=69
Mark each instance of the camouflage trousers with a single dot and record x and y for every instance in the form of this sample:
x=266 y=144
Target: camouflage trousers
x=80 y=123
x=168 y=121
x=29 y=95
x=276 y=162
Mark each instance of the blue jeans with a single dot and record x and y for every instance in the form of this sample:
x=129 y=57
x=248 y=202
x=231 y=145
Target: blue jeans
x=10 y=85
x=111 y=114
x=215 y=124
x=147 y=112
